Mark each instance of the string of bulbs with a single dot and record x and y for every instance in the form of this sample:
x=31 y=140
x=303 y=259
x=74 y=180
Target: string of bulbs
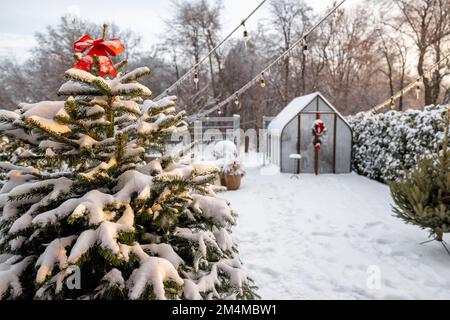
x=413 y=85
x=195 y=70
x=260 y=78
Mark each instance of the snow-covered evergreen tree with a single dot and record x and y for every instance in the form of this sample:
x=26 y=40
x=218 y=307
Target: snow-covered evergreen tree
x=129 y=229
x=422 y=197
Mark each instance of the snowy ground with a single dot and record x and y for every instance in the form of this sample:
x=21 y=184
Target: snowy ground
x=332 y=237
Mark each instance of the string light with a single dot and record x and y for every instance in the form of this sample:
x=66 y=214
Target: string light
x=196 y=80
x=259 y=78
x=262 y=81
x=393 y=105
x=413 y=85
x=305 y=48
x=245 y=35
x=417 y=91
x=205 y=58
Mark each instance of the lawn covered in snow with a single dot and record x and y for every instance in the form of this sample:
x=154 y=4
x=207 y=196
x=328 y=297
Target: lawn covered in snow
x=332 y=237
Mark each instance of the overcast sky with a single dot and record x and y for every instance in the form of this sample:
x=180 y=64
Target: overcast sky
x=20 y=19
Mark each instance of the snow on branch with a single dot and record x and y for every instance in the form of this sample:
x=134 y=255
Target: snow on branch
x=153 y=271
x=202 y=238
x=134 y=75
x=10 y=271
x=55 y=253
x=212 y=208
x=105 y=236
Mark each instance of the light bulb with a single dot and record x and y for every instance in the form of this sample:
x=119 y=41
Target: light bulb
x=393 y=106
x=196 y=80
x=236 y=101
x=305 y=50
x=418 y=92
x=245 y=36
x=262 y=82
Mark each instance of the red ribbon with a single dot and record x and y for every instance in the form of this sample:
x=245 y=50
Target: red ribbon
x=319 y=128
x=100 y=48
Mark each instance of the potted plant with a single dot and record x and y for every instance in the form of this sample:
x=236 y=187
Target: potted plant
x=232 y=174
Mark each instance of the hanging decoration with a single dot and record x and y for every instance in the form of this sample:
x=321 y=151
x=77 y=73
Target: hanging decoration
x=305 y=48
x=212 y=51
x=262 y=81
x=245 y=36
x=259 y=79
x=318 y=131
x=236 y=101
x=99 y=49
x=413 y=85
x=418 y=91
x=393 y=106
x=196 y=79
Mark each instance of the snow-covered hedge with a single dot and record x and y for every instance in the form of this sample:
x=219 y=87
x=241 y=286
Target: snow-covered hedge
x=385 y=143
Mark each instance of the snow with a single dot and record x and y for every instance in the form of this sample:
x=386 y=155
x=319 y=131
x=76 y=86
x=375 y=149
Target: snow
x=55 y=253
x=135 y=74
x=117 y=88
x=225 y=149
x=114 y=277
x=165 y=251
x=59 y=186
x=327 y=236
x=129 y=105
x=153 y=271
x=206 y=283
x=386 y=143
x=86 y=141
x=214 y=208
x=8 y=115
x=76 y=88
x=145 y=127
x=202 y=238
x=85 y=83
x=105 y=235
x=44 y=109
x=292 y=109
x=130 y=182
x=100 y=169
x=90 y=204
x=50 y=125
x=95 y=110
x=10 y=273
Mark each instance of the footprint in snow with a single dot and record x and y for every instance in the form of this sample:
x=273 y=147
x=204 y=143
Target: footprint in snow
x=372 y=224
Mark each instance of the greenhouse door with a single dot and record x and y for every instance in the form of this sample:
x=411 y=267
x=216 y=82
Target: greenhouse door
x=323 y=161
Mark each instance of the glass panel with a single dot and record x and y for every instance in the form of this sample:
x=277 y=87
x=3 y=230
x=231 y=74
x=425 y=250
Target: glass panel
x=343 y=147
x=324 y=106
x=306 y=145
x=289 y=146
x=311 y=107
x=326 y=149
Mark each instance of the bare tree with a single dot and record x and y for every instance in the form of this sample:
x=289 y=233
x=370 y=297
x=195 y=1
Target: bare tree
x=289 y=20
x=39 y=77
x=426 y=22
x=192 y=31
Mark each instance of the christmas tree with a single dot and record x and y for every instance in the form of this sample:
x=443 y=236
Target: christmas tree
x=422 y=197
x=103 y=223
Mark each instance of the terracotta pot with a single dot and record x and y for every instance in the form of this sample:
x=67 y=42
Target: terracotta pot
x=232 y=181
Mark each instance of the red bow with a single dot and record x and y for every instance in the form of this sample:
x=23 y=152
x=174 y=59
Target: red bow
x=320 y=126
x=100 y=48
